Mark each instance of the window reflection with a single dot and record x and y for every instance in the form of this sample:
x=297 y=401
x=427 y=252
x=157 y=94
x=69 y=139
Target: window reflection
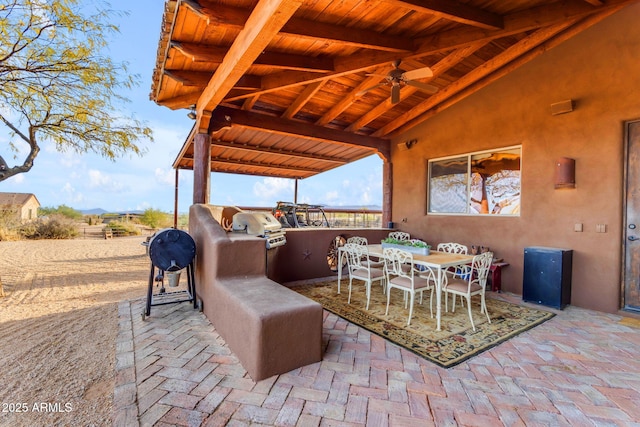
x=493 y=187
x=448 y=185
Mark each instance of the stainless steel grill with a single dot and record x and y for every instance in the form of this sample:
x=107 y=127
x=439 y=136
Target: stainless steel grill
x=260 y=224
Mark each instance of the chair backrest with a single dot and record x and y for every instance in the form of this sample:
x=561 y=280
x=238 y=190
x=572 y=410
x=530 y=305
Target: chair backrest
x=481 y=265
x=417 y=241
x=358 y=240
x=357 y=256
x=453 y=248
x=394 y=260
x=399 y=235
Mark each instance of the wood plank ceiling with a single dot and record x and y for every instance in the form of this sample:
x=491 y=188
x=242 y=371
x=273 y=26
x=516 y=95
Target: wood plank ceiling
x=278 y=84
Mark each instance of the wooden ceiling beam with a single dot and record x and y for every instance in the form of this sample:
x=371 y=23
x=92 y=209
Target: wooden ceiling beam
x=234 y=17
x=265 y=165
x=527 y=20
x=263 y=24
x=453 y=11
x=347 y=100
x=302 y=99
x=279 y=152
x=215 y=54
x=201 y=79
x=279 y=125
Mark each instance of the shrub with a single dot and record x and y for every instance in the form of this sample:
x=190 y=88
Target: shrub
x=156 y=219
x=120 y=228
x=63 y=210
x=54 y=226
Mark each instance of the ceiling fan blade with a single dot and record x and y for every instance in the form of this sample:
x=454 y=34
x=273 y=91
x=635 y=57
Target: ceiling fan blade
x=420 y=73
x=395 y=94
x=422 y=86
x=363 y=91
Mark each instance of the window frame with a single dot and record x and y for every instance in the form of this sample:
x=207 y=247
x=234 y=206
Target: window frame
x=469 y=157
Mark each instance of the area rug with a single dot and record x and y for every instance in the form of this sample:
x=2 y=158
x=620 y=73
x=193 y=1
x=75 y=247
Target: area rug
x=454 y=344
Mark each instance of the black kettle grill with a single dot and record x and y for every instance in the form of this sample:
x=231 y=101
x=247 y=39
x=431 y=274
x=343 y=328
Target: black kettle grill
x=170 y=250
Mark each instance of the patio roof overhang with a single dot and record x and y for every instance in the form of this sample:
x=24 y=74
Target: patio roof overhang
x=278 y=84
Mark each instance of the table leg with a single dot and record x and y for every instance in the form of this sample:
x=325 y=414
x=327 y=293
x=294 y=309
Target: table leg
x=438 y=298
x=340 y=255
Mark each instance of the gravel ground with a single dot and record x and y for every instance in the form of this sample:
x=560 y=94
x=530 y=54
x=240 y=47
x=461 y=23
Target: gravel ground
x=58 y=326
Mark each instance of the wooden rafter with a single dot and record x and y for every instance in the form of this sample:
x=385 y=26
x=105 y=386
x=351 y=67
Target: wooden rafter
x=291 y=127
x=234 y=17
x=266 y=165
x=263 y=24
x=453 y=11
x=215 y=55
x=277 y=152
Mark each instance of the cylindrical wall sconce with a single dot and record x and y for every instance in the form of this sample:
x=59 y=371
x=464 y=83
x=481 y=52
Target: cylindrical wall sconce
x=565 y=173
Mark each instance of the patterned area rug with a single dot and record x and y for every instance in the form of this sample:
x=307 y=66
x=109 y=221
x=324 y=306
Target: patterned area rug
x=454 y=344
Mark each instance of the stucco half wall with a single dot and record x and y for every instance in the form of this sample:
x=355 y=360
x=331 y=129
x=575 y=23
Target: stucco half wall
x=598 y=69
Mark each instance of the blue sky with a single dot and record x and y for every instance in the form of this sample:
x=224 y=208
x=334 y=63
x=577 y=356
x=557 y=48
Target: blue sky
x=89 y=181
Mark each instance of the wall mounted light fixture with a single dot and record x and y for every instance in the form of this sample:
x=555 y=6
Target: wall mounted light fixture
x=562 y=107
x=403 y=146
x=192 y=114
x=565 y=173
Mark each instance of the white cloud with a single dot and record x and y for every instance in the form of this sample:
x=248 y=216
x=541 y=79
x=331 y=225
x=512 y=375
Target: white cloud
x=165 y=176
x=103 y=182
x=270 y=190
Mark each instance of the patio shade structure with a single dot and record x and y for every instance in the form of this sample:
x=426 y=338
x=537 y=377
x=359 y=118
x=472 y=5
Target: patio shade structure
x=293 y=88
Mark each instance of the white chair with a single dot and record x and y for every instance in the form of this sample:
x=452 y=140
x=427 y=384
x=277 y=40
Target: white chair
x=399 y=235
x=410 y=281
x=360 y=269
x=358 y=240
x=453 y=248
x=474 y=284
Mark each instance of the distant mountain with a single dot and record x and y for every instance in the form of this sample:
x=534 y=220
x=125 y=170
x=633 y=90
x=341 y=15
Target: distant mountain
x=95 y=211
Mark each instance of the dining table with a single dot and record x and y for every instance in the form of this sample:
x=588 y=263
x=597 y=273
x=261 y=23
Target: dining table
x=437 y=260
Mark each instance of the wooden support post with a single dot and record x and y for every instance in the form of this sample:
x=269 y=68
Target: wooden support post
x=201 y=168
x=387 y=192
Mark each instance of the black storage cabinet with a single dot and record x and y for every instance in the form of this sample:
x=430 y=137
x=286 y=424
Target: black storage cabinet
x=547 y=276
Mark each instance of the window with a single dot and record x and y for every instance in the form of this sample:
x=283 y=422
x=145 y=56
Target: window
x=486 y=183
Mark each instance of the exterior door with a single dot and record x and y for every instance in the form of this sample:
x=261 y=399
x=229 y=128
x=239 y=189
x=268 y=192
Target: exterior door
x=631 y=245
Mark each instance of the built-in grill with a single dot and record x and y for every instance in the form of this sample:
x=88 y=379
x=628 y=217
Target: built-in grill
x=261 y=224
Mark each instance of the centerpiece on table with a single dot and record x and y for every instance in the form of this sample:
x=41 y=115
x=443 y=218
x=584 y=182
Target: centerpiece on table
x=413 y=246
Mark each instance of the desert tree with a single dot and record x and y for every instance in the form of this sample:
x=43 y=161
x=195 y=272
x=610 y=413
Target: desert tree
x=58 y=83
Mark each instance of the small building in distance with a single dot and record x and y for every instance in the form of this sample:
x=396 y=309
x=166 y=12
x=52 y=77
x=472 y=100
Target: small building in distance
x=21 y=207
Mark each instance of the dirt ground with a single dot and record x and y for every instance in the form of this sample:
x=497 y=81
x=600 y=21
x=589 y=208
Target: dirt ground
x=58 y=327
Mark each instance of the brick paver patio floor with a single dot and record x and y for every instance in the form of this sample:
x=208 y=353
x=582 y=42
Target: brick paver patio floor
x=581 y=368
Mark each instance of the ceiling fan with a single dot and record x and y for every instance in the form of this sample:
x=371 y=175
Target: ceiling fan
x=398 y=77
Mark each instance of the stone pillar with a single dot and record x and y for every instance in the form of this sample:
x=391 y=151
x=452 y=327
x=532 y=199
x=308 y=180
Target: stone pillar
x=201 y=168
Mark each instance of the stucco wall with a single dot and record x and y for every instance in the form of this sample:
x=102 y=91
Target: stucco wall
x=600 y=70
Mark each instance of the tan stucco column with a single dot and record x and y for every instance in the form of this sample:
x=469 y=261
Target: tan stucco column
x=201 y=168
x=387 y=191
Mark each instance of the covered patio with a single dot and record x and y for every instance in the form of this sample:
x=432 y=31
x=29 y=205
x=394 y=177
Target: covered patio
x=292 y=88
